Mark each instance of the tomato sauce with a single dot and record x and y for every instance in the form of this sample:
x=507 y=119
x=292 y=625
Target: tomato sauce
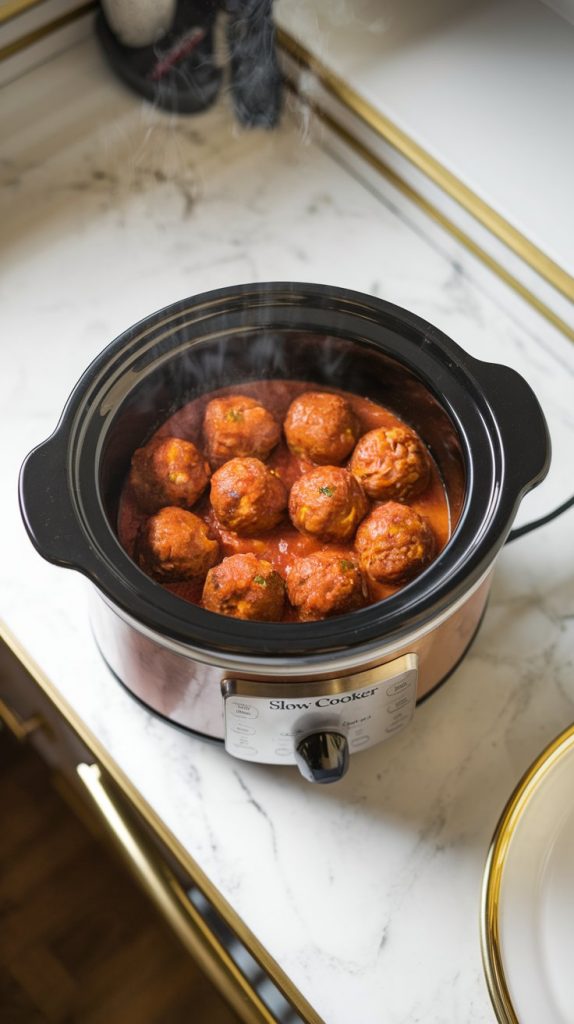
x=284 y=544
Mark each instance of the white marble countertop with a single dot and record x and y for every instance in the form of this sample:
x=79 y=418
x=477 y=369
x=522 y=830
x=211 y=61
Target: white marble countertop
x=457 y=77
x=367 y=892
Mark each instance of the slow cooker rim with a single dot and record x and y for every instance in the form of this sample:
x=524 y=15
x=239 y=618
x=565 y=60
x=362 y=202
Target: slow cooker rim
x=159 y=609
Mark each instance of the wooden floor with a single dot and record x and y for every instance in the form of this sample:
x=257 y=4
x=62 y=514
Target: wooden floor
x=78 y=940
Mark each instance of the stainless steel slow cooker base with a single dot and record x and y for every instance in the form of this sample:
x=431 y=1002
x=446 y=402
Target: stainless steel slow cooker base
x=219 y=741
x=286 y=714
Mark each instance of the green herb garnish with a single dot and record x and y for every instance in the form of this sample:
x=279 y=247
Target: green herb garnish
x=235 y=415
x=346 y=566
x=329 y=491
x=260 y=580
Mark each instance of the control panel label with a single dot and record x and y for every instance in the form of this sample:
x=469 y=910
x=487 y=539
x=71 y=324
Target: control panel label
x=267 y=726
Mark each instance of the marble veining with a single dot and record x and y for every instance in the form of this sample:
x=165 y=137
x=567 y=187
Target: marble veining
x=367 y=892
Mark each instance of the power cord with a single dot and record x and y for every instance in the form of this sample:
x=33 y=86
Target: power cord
x=528 y=527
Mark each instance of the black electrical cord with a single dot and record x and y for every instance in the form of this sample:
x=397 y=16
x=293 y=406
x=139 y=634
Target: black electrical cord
x=528 y=527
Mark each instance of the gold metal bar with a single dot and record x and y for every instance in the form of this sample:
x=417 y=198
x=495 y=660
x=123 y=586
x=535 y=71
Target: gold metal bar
x=182 y=856
x=173 y=903
x=45 y=30
x=445 y=222
x=20 y=728
x=13 y=8
x=445 y=179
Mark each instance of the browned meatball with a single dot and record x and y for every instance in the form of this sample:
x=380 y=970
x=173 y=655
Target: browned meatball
x=247 y=496
x=394 y=543
x=175 y=545
x=391 y=463
x=238 y=426
x=168 y=471
x=321 y=427
x=245 y=587
x=327 y=503
x=324 y=584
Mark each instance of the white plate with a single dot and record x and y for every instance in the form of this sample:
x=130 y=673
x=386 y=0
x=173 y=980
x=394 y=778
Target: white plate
x=528 y=895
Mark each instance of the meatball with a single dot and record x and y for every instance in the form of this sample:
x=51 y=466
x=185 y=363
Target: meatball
x=324 y=584
x=327 y=503
x=168 y=471
x=175 y=545
x=391 y=463
x=394 y=543
x=247 y=496
x=245 y=587
x=238 y=426
x=321 y=427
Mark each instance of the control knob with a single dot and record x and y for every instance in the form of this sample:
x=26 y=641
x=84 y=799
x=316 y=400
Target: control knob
x=322 y=756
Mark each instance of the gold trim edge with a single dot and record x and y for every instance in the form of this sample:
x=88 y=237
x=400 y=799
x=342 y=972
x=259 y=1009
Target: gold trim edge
x=170 y=898
x=14 y=8
x=37 y=34
x=435 y=214
x=493 y=872
x=185 y=859
x=382 y=126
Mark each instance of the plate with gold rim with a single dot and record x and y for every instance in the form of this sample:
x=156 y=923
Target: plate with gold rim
x=527 y=911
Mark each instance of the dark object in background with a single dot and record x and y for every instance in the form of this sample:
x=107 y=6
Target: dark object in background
x=255 y=74
x=178 y=72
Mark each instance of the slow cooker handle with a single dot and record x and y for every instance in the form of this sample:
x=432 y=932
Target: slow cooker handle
x=47 y=507
x=522 y=425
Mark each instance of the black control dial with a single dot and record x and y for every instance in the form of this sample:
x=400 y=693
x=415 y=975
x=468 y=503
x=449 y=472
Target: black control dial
x=323 y=756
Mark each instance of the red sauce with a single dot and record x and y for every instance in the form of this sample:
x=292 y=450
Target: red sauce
x=283 y=544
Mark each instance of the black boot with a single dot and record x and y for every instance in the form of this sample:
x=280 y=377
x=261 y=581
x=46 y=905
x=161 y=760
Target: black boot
x=255 y=75
x=178 y=73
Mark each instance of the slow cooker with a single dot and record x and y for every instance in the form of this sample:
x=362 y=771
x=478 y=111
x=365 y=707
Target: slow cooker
x=284 y=693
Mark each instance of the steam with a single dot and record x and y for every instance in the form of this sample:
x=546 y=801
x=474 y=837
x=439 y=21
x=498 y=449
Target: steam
x=253 y=353
x=344 y=14
x=325 y=18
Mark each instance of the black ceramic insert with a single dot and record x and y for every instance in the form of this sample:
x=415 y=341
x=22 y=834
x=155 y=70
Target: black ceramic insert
x=481 y=420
